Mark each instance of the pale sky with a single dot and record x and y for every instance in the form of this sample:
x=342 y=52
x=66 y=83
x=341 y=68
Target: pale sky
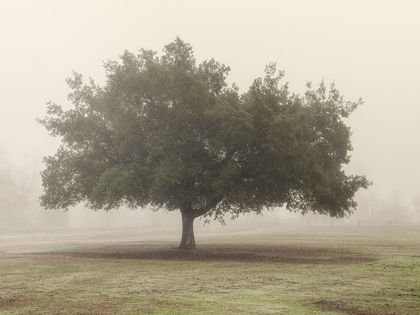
x=371 y=49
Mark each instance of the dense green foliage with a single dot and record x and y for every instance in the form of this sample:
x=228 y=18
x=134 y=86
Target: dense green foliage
x=167 y=132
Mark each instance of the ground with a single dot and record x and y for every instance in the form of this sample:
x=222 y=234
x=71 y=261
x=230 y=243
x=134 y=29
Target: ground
x=272 y=268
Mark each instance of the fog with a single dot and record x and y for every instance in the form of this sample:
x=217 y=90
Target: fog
x=370 y=49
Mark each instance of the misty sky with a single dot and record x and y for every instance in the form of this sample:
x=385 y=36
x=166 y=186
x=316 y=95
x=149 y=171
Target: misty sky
x=371 y=49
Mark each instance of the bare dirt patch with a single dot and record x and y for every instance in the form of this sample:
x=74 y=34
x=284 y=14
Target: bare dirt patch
x=346 y=309
x=6 y=303
x=291 y=254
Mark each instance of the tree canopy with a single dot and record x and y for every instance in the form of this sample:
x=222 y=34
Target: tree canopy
x=168 y=132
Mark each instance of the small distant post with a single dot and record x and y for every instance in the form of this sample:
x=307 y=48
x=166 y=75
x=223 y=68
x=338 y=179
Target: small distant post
x=389 y=222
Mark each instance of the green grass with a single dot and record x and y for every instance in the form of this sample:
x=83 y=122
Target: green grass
x=274 y=270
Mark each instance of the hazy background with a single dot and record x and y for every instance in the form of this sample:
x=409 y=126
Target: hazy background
x=371 y=49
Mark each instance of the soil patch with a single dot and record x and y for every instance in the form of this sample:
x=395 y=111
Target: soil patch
x=6 y=303
x=346 y=309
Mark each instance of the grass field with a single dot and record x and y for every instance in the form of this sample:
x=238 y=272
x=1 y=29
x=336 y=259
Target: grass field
x=268 y=269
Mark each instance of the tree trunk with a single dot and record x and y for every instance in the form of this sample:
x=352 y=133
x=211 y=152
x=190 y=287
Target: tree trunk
x=187 y=240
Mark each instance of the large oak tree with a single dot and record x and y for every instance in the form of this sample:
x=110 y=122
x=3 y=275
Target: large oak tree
x=166 y=132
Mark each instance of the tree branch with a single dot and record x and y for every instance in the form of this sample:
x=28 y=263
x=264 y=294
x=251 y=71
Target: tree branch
x=210 y=205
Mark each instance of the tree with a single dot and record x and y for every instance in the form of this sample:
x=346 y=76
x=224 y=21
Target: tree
x=13 y=200
x=416 y=207
x=19 y=209
x=17 y=198
x=395 y=208
x=168 y=132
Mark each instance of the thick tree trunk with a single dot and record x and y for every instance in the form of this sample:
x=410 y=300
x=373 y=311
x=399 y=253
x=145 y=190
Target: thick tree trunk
x=187 y=240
